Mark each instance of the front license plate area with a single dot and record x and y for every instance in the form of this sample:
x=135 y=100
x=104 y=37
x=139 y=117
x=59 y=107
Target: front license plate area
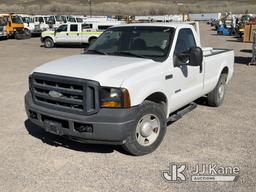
x=52 y=127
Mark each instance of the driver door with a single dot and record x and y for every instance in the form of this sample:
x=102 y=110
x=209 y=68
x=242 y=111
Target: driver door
x=61 y=34
x=188 y=80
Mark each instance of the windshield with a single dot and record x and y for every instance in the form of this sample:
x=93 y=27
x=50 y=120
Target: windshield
x=59 y=18
x=71 y=19
x=147 y=42
x=2 y=21
x=27 y=19
x=17 y=19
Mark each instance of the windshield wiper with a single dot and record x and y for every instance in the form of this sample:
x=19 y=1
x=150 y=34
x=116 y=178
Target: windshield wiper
x=96 y=51
x=129 y=54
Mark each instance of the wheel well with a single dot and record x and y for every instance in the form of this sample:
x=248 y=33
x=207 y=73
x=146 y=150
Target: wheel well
x=47 y=38
x=158 y=97
x=225 y=70
x=91 y=38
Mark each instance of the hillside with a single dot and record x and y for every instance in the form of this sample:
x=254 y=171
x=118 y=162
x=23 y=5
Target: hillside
x=131 y=7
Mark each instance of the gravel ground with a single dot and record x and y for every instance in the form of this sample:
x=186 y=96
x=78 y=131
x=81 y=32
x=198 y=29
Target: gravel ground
x=32 y=160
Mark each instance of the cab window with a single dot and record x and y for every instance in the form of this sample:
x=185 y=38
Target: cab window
x=185 y=41
x=62 y=28
x=73 y=28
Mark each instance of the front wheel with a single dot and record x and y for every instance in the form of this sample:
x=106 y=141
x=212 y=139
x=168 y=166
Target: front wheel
x=216 y=97
x=48 y=43
x=27 y=34
x=149 y=129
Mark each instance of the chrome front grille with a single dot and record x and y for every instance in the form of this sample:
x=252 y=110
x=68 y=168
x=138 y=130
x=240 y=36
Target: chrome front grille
x=65 y=94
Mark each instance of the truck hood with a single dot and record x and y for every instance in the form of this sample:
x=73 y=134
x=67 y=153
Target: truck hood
x=107 y=70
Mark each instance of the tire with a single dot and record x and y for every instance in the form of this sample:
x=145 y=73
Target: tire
x=148 y=130
x=27 y=34
x=19 y=36
x=216 y=97
x=48 y=43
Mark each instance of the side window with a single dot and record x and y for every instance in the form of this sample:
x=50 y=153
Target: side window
x=185 y=41
x=86 y=26
x=73 y=28
x=62 y=28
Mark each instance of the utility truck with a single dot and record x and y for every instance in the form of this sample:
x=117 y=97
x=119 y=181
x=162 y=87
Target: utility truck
x=128 y=84
x=14 y=26
x=31 y=26
x=75 y=33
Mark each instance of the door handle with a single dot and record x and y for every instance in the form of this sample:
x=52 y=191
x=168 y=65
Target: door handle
x=177 y=91
x=168 y=76
x=77 y=34
x=67 y=34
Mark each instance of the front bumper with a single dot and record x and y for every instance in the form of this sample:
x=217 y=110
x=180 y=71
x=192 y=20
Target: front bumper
x=109 y=126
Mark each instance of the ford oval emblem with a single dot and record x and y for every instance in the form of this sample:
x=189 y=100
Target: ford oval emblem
x=55 y=94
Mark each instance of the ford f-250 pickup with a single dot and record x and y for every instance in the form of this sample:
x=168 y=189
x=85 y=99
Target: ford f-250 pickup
x=126 y=87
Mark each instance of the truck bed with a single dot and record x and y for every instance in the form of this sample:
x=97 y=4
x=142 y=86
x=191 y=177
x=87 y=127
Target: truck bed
x=220 y=59
x=208 y=51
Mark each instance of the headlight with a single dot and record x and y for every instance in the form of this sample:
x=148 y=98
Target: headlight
x=114 y=98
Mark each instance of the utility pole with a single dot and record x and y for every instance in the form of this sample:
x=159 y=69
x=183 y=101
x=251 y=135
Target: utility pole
x=90 y=4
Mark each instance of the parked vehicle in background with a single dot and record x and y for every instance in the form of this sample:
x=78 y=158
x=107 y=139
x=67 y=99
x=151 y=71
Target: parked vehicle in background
x=54 y=21
x=42 y=21
x=75 y=33
x=32 y=28
x=14 y=26
x=3 y=33
x=126 y=87
x=245 y=19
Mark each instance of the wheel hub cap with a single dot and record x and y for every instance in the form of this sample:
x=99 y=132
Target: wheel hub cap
x=221 y=91
x=147 y=130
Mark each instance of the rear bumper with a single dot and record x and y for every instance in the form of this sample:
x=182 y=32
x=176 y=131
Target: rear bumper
x=108 y=126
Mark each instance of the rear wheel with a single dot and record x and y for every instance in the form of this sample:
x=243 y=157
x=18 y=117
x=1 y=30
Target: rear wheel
x=149 y=129
x=216 y=97
x=48 y=43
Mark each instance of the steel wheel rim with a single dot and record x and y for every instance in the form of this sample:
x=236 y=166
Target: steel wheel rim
x=48 y=43
x=221 y=91
x=147 y=130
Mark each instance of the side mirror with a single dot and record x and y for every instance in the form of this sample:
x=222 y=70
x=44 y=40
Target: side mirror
x=196 y=56
x=193 y=57
x=9 y=23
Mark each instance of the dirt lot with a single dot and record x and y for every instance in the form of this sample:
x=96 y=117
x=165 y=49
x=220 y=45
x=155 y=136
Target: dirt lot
x=32 y=160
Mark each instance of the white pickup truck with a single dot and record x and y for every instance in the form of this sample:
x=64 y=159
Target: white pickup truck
x=128 y=85
x=70 y=33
